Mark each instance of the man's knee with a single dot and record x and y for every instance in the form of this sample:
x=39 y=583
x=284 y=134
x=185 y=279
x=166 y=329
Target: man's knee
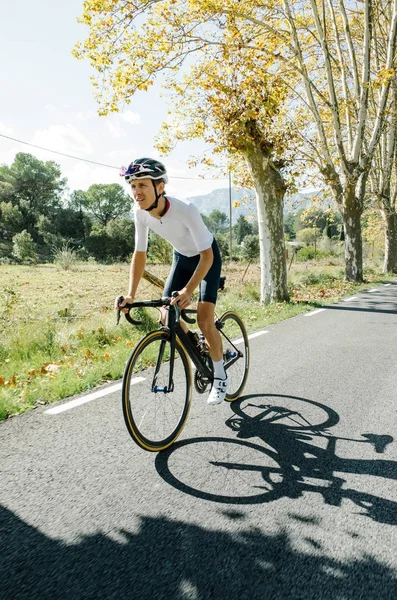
x=205 y=323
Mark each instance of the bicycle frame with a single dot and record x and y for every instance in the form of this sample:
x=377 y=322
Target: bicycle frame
x=175 y=330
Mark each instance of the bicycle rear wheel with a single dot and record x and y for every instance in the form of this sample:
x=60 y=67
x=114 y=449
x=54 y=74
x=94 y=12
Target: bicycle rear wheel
x=235 y=353
x=155 y=416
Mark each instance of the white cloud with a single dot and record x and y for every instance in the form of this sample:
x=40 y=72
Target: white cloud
x=85 y=115
x=131 y=117
x=116 y=129
x=81 y=175
x=63 y=138
x=5 y=130
x=50 y=108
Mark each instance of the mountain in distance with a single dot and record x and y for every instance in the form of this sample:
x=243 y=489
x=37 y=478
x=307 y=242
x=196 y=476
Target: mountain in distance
x=219 y=199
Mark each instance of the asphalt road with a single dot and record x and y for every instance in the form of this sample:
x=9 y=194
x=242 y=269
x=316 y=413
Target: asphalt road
x=290 y=493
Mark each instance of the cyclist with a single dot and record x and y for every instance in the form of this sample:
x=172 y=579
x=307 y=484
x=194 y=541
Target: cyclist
x=196 y=260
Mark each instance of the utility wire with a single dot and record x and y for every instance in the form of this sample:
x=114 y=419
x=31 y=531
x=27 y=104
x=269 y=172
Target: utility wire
x=93 y=162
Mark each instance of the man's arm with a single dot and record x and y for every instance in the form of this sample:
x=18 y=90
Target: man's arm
x=205 y=263
x=137 y=267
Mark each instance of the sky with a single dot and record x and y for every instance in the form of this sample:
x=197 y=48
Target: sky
x=46 y=99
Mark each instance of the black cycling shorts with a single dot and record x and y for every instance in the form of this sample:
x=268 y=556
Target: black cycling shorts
x=183 y=268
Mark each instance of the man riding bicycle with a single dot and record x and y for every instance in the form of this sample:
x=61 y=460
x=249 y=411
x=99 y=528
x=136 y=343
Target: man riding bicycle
x=196 y=260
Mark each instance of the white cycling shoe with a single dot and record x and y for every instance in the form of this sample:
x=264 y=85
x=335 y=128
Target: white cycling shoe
x=218 y=391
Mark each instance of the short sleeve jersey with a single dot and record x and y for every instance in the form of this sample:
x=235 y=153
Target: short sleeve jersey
x=182 y=226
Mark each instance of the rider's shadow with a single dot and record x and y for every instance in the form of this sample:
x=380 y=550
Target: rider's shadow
x=307 y=455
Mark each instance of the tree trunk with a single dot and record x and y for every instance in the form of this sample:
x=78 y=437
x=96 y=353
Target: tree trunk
x=390 y=264
x=270 y=190
x=353 y=240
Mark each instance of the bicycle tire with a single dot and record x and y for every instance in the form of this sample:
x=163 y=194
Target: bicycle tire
x=154 y=419
x=234 y=336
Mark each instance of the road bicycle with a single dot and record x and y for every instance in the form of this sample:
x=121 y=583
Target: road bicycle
x=158 y=381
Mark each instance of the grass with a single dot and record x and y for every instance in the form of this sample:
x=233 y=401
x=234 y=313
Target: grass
x=58 y=328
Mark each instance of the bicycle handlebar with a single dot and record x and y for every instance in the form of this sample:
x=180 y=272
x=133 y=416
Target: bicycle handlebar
x=166 y=301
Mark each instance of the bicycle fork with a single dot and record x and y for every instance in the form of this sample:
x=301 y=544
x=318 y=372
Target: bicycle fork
x=170 y=387
x=170 y=328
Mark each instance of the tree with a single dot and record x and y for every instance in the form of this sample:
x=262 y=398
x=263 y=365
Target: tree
x=290 y=225
x=76 y=203
x=11 y=219
x=231 y=96
x=242 y=228
x=121 y=238
x=339 y=41
x=105 y=201
x=217 y=221
x=309 y=235
x=115 y=241
x=373 y=229
x=383 y=179
x=24 y=248
x=250 y=250
x=34 y=186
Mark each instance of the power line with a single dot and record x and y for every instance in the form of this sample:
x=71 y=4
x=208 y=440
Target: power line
x=57 y=152
x=93 y=162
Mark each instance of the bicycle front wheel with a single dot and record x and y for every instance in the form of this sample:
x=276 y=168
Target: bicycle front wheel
x=235 y=353
x=154 y=411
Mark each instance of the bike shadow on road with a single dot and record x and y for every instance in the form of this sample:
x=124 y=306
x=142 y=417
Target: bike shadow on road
x=167 y=559
x=283 y=447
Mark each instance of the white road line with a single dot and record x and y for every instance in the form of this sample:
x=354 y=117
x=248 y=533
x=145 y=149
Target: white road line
x=117 y=387
x=374 y=290
x=252 y=336
x=314 y=312
x=84 y=399
x=349 y=299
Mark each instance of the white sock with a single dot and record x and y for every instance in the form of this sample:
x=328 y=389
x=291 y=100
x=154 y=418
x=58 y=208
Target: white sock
x=219 y=370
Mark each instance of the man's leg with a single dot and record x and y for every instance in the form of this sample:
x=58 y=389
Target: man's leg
x=205 y=317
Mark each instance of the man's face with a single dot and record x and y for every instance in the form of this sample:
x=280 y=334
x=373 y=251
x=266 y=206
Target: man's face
x=143 y=192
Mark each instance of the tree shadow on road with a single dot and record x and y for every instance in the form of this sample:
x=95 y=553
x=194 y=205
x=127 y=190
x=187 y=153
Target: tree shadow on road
x=168 y=559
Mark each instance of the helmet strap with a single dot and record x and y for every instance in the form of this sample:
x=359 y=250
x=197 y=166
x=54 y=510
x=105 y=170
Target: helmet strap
x=158 y=196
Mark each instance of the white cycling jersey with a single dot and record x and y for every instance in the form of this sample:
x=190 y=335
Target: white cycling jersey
x=181 y=225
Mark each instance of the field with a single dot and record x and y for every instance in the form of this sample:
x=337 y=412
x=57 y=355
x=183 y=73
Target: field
x=58 y=328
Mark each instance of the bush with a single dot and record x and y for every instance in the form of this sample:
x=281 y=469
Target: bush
x=306 y=253
x=24 y=248
x=250 y=248
x=308 y=235
x=65 y=257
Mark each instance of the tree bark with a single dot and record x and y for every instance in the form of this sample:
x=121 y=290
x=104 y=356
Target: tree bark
x=270 y=189
x=390 y=263
x=351 y=213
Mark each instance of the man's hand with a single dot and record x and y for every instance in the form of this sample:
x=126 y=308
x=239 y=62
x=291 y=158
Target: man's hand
x=183 y=299
x=127 y=300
